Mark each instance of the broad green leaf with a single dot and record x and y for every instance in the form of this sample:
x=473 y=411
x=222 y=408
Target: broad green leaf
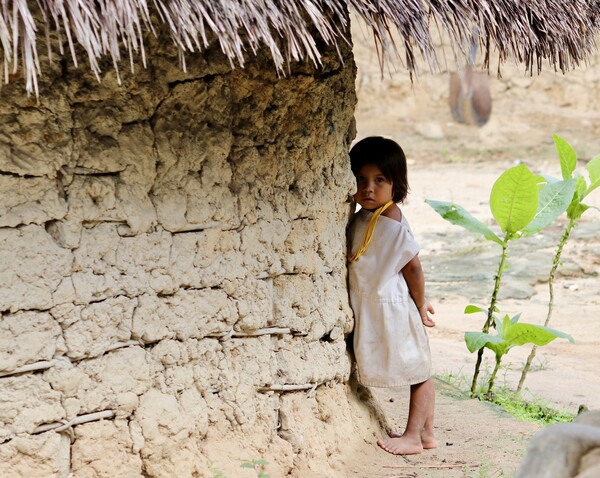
x=515 y=319
x=566 y=155
x=473 y=309
x=554 y=199
x=478 y=340
x=506 y=325
x=593 y=168
x=499 y=349
x=558 y=333
x=458 y=216
x=520 y=334
x=550 y=179
x=581 y=185
x=540 y=180
x=576 y=210
x=514 y=198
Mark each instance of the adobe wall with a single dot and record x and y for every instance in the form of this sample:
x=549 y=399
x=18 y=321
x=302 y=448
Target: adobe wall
x=172 y=255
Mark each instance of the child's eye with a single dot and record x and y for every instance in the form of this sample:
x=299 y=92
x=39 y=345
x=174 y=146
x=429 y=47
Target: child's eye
x=380 y=180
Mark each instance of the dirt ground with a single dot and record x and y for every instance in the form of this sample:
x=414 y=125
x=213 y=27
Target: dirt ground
x=453 y=162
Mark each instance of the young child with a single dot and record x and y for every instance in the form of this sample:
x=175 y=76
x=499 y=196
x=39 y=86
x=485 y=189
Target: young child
x=387 y=291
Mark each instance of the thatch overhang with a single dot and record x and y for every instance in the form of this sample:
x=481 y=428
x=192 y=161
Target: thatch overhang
x=559 y=31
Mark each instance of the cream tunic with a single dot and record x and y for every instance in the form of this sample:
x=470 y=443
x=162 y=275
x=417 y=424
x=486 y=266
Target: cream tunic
x=390 y=342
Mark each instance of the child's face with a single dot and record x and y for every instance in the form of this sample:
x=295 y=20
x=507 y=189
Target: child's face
x=373 y=189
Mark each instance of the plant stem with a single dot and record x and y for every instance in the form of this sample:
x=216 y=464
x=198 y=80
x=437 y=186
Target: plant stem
x=490 y=317
x=555 y=264
x=493 y=377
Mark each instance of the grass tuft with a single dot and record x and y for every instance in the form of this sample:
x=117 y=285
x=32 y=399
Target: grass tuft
x=537 y=411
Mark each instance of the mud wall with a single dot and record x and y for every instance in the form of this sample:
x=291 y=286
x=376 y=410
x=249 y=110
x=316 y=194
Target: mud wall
x=172 y=272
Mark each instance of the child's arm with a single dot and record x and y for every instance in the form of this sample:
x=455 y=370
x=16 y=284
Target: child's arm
x=415 y=279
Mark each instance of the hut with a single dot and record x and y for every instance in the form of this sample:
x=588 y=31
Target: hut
x=173 y=202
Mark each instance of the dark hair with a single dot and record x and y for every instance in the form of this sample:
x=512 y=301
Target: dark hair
x=388 y=156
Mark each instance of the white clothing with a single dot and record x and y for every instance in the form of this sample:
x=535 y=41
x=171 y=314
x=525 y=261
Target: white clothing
x=390 y=341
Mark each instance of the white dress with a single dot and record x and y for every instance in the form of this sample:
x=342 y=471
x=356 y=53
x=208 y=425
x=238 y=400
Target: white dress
x=390 y=341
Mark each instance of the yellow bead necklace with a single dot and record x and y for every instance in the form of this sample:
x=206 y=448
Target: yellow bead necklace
x=369 y=232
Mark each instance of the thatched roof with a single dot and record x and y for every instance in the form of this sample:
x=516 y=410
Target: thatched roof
x=559 y=31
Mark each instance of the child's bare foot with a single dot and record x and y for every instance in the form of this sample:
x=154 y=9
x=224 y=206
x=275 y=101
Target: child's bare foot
x=401 y=445
x=428 y=441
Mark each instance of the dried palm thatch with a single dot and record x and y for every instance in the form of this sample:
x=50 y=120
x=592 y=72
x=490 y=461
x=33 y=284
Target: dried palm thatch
x=559 y=31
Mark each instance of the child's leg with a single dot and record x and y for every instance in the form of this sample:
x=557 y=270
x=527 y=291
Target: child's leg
x=427 y=437
x=419 y=427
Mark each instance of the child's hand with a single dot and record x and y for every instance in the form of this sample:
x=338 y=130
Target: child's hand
x=423 y=312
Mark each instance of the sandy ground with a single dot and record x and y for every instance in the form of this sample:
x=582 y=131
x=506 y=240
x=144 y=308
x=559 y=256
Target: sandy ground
x=453 y=162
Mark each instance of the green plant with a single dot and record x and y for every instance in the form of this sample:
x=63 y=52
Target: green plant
x=460 y=381
x=537 y=411
x=258 y=466
x=510 y=334
x=568 y=163
x=522 y=203
x=216 y=473
x=456 y=379
x=484 y=470
x=543 y=364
